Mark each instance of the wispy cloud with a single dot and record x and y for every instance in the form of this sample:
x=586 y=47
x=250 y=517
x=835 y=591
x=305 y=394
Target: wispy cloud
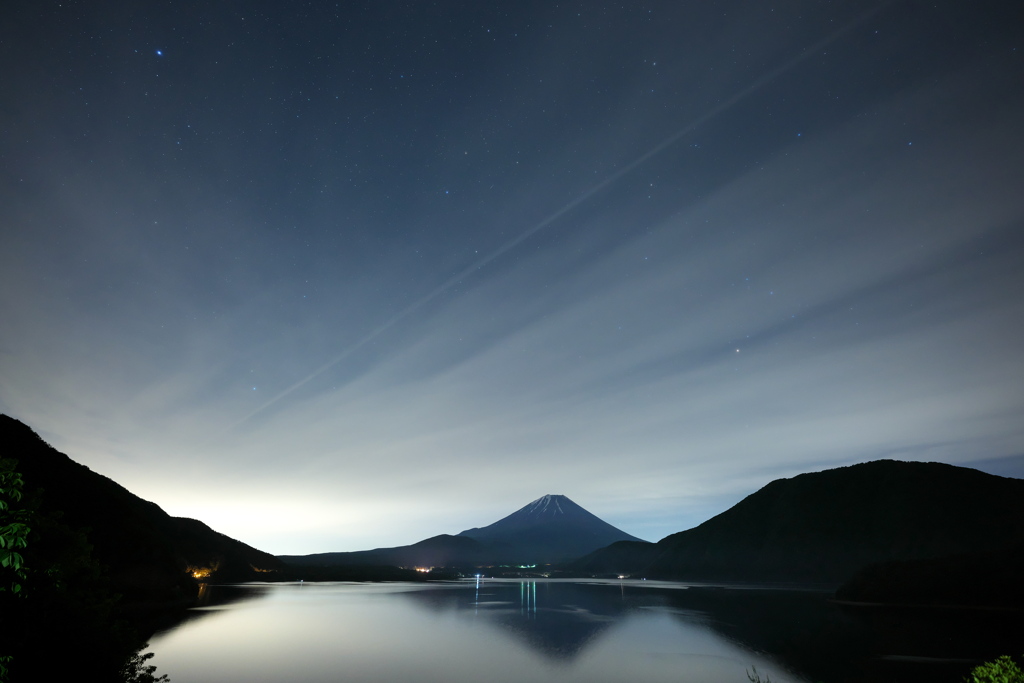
x=852 y=293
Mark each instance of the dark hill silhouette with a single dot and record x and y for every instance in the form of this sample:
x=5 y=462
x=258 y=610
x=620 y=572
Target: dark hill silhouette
x=149 y=555
x=550 y=529
x=823 y=526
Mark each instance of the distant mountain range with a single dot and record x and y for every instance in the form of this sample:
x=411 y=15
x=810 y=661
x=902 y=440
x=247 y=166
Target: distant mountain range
x=893 y=531
x=825 y=526
x=550 y=529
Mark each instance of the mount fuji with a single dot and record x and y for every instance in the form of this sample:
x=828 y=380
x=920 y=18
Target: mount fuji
x=550 y=529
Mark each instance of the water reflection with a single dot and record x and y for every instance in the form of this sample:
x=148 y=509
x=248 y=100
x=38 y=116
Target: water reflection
x=563 y=631
x=557 y=620
x=216 y=598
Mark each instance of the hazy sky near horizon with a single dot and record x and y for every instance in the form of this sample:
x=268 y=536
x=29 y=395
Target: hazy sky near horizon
x=332 y=276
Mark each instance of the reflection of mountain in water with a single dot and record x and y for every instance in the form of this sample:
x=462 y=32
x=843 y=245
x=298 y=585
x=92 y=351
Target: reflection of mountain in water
x=801 y=630
x=558 y=620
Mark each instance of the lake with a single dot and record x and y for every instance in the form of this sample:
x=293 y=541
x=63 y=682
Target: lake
x=556 y=630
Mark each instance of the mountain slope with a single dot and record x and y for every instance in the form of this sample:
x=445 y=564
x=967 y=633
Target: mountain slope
x=823 y=526
x=550 y=529
x=149 y=554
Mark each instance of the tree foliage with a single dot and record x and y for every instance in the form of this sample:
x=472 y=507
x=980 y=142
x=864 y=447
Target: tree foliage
x=1002 y=670
x=755 y=677
x=54 y=591
x=136 y=670
x=13 y=538
x=14 y=528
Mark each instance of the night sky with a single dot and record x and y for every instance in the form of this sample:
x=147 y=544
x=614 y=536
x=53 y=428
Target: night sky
x=334 y=276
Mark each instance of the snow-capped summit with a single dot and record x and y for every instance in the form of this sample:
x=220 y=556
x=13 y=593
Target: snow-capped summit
x=541 y=504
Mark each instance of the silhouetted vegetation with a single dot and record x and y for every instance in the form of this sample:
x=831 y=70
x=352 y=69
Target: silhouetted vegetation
x=755 y=677
x=13 y=539
x=64 y=605
x=136 y=670
x=1002 y=670
x=14 y=529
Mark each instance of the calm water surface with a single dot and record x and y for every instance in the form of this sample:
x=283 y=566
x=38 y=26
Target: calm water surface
x=504 y=630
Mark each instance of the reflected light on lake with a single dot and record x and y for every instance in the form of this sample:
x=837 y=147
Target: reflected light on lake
x=489 y=630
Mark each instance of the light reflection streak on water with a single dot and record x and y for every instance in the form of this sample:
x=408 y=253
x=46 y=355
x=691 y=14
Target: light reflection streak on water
x=528 y=598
